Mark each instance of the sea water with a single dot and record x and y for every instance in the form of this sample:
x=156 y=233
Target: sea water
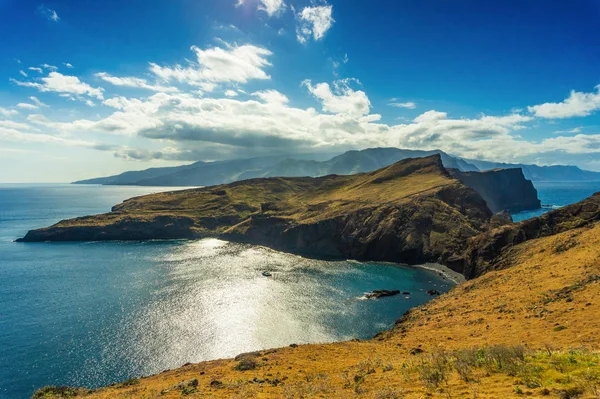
x=90 y=314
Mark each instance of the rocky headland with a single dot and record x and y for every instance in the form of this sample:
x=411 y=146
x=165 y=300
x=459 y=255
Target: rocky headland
x=414 y=211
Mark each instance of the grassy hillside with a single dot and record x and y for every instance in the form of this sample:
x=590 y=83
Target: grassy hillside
x=529 y=330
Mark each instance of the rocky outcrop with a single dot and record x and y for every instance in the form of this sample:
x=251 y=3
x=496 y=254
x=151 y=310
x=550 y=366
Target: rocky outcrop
x=502 y=189
x=485 y=251
x=376 y=294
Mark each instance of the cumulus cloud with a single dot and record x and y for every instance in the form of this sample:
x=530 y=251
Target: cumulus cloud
x=271 y=96
x=231 y=93
x=68 y=65
x=232 y=64
x=314 y=22
x=134 y=82
x=63 y=84
x=408 y=105
x=342 y=99
x=577 y=104
x=8 y=112
x=271 y=7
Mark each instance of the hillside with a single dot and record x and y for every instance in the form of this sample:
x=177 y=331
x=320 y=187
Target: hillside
x=529 y=330
x=413 y=211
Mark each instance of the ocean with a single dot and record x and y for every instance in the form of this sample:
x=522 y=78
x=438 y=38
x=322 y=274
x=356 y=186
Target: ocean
x=90 y=314
x=556 y=194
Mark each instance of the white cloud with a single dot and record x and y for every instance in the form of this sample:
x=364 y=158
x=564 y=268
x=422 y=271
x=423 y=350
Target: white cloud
x=271 y=7
x=574 y=130
x=217 y=128
x=23 y=73
x=234 y=63
x=50 y=67
x=8 y=112
x=48 y=13
x=271 y=96
x=231 y=93
x=134 y=82
x=36 y=69
x=64 y=84
x=409 y=105
x=37 y=102
x=315 y=22
x=27 y=106
x=342 y=99
x=577 y=104
x=68 y=65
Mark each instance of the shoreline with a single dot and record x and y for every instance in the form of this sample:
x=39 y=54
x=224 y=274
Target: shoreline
x=444 y=271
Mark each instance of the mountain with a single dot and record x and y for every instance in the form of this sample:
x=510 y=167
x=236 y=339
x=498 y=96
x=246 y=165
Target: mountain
x=527 y=329
x=351 y=162
x=541 y=173
x=222 y=172
x=412 y=211
x=197 y=174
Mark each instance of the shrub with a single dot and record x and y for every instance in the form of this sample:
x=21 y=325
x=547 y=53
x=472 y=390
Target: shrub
x=569 y=393
x=246 y=363
x=55 y=392
x=434 y=371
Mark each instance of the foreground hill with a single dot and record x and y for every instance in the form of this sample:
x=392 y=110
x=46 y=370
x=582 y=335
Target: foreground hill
x=414 y=211
x=528 y=330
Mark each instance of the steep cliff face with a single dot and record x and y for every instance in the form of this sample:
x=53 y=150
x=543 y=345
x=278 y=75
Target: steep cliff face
x=485 y=252
x=413 y=211
x=502 y=189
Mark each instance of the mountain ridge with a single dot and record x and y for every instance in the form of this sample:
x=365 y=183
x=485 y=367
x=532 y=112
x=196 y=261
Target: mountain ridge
x=351 y=162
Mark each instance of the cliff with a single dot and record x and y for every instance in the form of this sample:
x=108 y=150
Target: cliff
x=485 y=252
x=502 y=189
x=413 y=211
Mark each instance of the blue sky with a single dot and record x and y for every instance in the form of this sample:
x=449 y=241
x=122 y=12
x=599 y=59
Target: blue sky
x=90 y=88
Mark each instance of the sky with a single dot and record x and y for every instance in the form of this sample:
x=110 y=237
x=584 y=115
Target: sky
x=91 y=88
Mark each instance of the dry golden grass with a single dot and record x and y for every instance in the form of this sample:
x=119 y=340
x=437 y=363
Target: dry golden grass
x=548 y=302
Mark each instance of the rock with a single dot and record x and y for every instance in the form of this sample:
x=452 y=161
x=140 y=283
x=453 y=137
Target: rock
x=405 y=293
x=416 y=351
x=376 y=294
x=433 y=292
x=248 y=354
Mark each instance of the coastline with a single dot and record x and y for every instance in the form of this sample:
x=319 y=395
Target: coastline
x=444 y=271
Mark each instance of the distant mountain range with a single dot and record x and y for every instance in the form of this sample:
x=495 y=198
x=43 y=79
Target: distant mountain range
x=351 y=162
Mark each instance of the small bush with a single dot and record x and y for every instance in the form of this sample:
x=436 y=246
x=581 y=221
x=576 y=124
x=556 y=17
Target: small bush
x=247 y=363
x=569 y=393
x=434 y=371
x=389 y=393
x=56 y=392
